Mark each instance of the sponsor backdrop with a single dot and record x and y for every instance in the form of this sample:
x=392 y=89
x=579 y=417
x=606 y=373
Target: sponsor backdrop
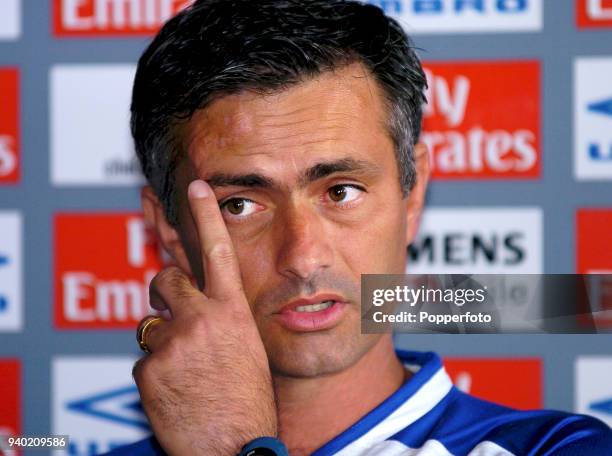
x=519 y=126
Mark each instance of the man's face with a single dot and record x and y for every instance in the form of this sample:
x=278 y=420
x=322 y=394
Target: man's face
x=308 y=185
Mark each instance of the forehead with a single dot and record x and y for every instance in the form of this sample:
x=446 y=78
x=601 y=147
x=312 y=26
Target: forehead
x=335 y=115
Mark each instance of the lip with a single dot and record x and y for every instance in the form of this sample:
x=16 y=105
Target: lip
x=293 y=320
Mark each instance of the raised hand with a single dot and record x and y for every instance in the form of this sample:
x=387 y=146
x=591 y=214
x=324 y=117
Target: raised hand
x=206 y=386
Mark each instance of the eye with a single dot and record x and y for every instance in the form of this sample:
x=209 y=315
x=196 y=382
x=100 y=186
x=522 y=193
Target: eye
x=344 y=193
x=239 y=207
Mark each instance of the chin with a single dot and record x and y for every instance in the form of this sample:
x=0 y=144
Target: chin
x=316 y=354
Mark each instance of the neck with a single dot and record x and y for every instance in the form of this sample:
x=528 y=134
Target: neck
x=312 y=411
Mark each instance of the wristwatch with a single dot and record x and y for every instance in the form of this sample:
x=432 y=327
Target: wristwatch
x=264 y=446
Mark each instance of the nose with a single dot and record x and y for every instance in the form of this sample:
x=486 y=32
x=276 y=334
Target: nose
x=304 y=248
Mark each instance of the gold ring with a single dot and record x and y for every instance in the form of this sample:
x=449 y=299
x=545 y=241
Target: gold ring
x=141 y=334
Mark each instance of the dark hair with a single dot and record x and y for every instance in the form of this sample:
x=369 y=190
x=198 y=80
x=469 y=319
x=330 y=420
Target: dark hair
x=219 y=47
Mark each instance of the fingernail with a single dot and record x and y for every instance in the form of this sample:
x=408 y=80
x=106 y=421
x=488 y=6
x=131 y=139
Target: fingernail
x=198 y=189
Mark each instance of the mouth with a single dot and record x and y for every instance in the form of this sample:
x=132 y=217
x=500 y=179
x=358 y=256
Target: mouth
x=315 y=307
x=315 y=313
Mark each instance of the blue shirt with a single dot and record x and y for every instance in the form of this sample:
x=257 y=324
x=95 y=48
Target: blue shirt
x=428 y=416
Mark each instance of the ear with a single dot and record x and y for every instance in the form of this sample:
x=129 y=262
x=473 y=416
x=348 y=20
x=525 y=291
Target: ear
x=416 y=199
x=170 y=239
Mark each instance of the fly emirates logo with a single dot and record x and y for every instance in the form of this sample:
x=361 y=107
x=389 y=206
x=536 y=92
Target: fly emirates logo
x=104 y=264
x=482 y=120
x=112 y=17
x=9 y=126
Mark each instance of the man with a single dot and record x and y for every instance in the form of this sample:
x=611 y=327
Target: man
x=279 y=140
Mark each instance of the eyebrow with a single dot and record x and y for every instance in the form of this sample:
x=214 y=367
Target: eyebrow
x=239 y=180
x=315 y=172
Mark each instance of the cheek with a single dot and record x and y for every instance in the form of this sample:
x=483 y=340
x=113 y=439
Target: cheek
x=256 y=266
x=377 y=246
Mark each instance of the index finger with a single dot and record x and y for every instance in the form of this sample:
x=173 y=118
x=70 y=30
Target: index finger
x=220 y=265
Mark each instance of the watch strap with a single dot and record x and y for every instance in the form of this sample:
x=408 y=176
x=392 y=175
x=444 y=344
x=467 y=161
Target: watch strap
x=265 y=446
